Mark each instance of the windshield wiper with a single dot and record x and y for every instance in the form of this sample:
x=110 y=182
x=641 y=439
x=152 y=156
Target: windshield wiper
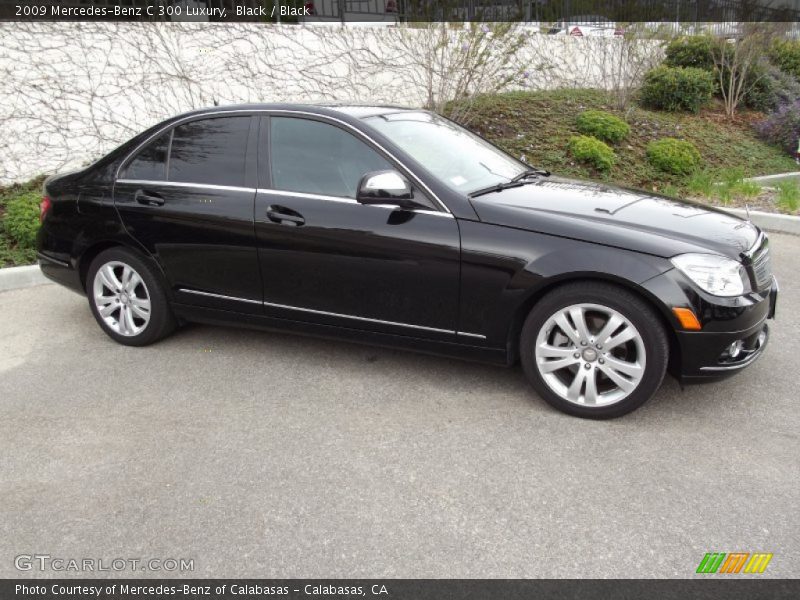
x=531 y=173
x=517 y=181
x=497 y=187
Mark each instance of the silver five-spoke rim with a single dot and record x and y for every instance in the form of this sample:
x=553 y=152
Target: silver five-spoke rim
x=590 y=355
x=121 y=298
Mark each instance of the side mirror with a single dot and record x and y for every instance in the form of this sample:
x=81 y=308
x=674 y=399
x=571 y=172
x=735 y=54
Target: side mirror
x=385 y=187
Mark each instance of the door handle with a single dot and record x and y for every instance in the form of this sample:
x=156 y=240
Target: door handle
x=148 y=199
x=285 y=216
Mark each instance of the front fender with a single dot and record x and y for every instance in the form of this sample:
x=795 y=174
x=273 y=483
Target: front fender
x=505 y=270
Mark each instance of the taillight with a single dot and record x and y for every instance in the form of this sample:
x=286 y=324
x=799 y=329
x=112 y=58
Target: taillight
x=44 y=207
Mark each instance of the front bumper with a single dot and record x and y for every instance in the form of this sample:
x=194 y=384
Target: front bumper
x=704 y=355
x=701 y=354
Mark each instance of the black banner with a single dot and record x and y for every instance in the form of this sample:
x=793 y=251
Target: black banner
x=732 y=588
x=398 y=11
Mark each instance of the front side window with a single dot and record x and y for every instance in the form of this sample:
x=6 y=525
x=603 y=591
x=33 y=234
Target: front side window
x=317 y=158
x=150 y=164
x=456 y=156
x=210 y=151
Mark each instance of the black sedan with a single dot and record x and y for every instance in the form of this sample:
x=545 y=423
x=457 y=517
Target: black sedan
x=399 y=227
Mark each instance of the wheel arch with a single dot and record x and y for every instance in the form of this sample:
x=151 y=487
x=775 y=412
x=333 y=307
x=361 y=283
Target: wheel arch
x=525 y=307
x=91 y=252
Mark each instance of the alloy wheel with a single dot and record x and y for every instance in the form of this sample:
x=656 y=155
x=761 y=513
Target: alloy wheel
x=590 y=355
x=121 y=298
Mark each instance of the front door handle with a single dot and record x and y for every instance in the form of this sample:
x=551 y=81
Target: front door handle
x=148 y=198
x=285 y=216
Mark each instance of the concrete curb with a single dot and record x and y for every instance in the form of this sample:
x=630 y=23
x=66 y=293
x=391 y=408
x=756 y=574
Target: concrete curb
x=768 y=178
x=770 y=221
x=20 y=277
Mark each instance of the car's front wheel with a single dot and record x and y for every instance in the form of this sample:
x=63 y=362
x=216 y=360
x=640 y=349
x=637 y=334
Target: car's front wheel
x=127 y=298
x=594 y=350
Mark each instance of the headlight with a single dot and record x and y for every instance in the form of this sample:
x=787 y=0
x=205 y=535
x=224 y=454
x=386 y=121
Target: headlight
x=715 y=274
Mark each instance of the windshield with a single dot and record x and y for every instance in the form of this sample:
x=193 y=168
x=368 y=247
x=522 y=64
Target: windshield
x=459 y=158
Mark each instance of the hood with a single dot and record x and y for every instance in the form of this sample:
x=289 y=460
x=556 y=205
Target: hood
x=616 y=216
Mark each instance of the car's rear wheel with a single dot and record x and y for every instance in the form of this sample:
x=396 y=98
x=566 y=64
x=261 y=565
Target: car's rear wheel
x=594 y=350
x=128 y=299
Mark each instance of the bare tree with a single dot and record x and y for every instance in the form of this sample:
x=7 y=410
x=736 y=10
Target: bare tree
x=440 y=66
x=735 y=62
x=455 y=63
x=615 y=64
x=623 y=63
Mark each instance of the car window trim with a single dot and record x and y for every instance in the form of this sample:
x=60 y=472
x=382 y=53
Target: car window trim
x=169 y=154
x=270 y=111
x=346 y=200
x=208 y=186
x=273 y=192
x=264 y=156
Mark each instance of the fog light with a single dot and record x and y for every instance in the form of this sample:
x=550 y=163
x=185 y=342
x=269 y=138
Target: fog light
x=735 y=349
x=762 y=337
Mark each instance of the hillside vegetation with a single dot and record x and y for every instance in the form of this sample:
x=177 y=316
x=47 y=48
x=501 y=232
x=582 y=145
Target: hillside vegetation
x=539 y=125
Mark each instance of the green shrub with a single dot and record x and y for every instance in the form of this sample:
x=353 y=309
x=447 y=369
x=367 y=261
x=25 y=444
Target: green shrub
x=671 y=191
x=691 y=51
x=678 y=157
x=788 y=195
x=767 y=88
x=731 y=184
x=724 y=194
x=701 y=183
x=748 y=189
x=782 y=127
x=731 y=177
x=592 y=151
x=603 y=126
x=785 y=54
x=677 y=88
x=759 y=92
x=21 y=220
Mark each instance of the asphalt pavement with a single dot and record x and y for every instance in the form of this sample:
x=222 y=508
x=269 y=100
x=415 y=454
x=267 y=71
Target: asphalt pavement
x=259 y=454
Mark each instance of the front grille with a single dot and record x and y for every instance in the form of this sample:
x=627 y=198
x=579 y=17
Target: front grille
x=762 y=269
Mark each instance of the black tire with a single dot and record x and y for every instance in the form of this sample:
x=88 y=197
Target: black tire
x=626 y=303
x=161 y=320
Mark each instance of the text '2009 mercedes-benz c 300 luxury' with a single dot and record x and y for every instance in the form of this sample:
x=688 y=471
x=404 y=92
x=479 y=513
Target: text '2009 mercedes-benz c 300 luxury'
x=399 y=227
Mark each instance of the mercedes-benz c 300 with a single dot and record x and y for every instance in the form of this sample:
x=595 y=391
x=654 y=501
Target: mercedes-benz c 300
x=400 y=227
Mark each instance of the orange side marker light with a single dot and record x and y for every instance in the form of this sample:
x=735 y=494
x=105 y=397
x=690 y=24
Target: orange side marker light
x=687 y=318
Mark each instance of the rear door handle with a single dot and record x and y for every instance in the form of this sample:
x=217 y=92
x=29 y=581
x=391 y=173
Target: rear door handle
x=148 y=198
x=285 y=216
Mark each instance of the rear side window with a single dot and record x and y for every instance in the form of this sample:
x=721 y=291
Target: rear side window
x=318 y=158
x=211 y=151
x=151 y=162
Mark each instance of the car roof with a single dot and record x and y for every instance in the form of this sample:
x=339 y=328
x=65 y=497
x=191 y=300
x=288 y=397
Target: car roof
x=362 y=111
x=358 y=111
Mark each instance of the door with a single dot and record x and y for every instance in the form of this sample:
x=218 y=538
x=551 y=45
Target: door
x=188 y=197
x=327 y=259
